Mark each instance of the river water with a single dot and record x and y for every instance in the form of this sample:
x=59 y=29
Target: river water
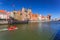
x=32 y=31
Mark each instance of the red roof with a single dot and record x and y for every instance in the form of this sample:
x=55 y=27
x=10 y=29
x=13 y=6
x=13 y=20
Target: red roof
x=2 y=11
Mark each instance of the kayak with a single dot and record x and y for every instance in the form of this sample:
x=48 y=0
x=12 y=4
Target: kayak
x=9 y=29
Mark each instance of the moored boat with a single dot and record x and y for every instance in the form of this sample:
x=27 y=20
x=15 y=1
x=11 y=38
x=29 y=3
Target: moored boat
x=14 y=21
x=17 y=22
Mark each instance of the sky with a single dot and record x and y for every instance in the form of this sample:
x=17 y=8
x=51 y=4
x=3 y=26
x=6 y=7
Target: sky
x=43 y=7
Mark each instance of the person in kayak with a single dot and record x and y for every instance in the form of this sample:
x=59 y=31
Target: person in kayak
x=12 y=28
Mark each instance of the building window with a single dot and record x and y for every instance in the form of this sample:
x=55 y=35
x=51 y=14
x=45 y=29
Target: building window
x=26 y=11
x=20 y=13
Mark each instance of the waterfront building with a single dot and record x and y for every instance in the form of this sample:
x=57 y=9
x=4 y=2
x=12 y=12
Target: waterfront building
x=49 y=17
x=20 y=15
x=4 y=14
x=40 y=17
x=44 y=18
x=29 y=14
x=25 y=14
x=33 y=17
x=12 y=14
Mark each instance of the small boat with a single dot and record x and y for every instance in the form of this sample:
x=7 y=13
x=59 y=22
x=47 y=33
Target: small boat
x=12 y=28
x=9 y=28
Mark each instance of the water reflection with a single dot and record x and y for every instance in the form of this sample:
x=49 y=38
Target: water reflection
x=57 y=36
x=32 y=31
x=45 y=31
x=3 y=26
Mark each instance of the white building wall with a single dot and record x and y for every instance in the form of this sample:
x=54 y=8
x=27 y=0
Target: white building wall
x=40 y=17
x=3 y=16
x=12 y=14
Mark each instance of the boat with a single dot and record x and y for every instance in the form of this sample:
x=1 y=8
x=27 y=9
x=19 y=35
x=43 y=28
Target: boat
x=10 y=28
x=17 y=22
x=14 y=21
